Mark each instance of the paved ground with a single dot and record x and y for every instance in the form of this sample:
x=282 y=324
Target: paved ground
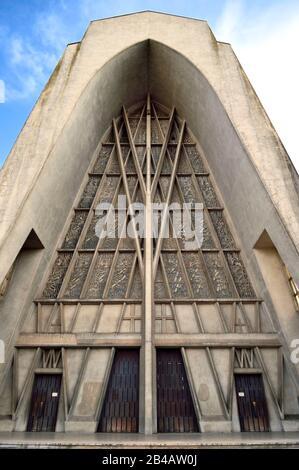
x=215 y=440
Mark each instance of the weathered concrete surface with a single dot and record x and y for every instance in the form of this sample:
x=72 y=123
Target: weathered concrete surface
x=116 y=63
x=182 y=65
x=104 y=40
x=47 y=203
x=135 y=441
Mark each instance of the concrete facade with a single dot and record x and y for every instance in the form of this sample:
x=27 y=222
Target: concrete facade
x=180 y=63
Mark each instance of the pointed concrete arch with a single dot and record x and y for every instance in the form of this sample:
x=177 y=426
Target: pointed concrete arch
x=173 y=79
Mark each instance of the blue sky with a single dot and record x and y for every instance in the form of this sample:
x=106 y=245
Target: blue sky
x=263 y=33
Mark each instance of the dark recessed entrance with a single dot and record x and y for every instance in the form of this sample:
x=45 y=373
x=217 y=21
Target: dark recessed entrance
x=121 y=405
x=44 y=403
x=252 y=405
x=174 y=402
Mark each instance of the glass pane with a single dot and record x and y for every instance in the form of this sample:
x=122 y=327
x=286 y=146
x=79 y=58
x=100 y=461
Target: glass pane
x=208 y=192
x=155 y=132
x=239 y=275
x=222 y=230
x=141 y=133
x=108 y=189
x=121 y=275
x=89 y=192
x=75 y=230
x=91 y=239
x=197 y=277
x=175 y=276
x=133 y=125
x=57 y=275
x=78 y=276
x=195 y=159
x=99 y=276
x=188 y=190
x=160 y=288
x=218 y=275
x=102 y=159
x=136 y=287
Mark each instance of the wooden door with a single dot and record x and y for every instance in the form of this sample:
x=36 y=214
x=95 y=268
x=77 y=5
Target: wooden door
x=174 y=402
x=44 y=403
x=252 y=405
x=121 y=404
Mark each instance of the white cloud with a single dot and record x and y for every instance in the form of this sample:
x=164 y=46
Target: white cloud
x=266 y=42
x=2 y=91
x=54 y=31
x=228 y=22
x=32 y=57
x=28 y=66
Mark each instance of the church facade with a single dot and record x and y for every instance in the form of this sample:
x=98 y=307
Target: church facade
x=134 y=331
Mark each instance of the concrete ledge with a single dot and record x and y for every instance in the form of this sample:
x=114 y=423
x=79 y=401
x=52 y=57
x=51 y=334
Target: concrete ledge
x=6 y=425
x=80 y=426
x=216 y=426
x=31 y=340
x=140 y=441
x=291 y=425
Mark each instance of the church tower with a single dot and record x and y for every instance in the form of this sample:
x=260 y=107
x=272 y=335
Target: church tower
x=115 y=327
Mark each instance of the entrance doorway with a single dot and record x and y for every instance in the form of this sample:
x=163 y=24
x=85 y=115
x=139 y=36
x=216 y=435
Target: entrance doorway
x=252 y=405
x=44 y=403
x=120 y=410
x=175 y=408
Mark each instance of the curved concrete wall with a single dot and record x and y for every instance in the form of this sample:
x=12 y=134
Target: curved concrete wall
x=92 y=83
x=174 y=80
x=103 y=41
x=47 y=207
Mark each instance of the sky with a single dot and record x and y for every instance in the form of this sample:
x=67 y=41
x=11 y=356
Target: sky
x=263 y=33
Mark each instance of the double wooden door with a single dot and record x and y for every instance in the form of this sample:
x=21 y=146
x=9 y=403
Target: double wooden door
x=120 y=410
x=175 y=408
x=44 y=403
x=252 y=405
